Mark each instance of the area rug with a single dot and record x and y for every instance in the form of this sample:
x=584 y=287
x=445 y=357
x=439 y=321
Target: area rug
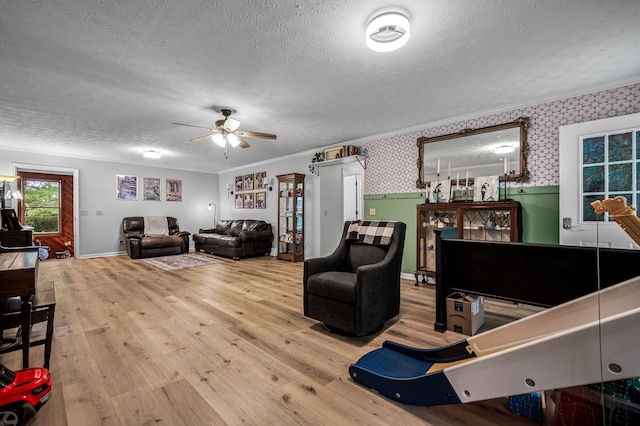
x=180 y=261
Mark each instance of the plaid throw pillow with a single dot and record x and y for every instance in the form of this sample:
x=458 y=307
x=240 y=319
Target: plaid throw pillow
x=371 y=232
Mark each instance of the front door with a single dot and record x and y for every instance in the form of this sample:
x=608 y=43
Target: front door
x=47 y=205
x=598 y=159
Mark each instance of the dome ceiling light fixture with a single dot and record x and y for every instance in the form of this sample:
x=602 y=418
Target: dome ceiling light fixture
x=387 y=32
x=151 y=154
x=504 y=149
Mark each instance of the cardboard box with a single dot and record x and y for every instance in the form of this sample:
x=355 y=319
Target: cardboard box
x=465 y=313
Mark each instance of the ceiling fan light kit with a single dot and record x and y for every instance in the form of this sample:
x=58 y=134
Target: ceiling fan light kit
x=225 y=133
x=218 y=139
x=388 y=31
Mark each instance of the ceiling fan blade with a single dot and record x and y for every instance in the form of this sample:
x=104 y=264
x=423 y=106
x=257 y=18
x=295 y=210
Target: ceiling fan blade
x=192 y=125
x=243 y=143
x=254 y=134
x=201 y=138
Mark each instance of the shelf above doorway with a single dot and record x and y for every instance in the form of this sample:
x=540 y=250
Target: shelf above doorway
x=315 y=167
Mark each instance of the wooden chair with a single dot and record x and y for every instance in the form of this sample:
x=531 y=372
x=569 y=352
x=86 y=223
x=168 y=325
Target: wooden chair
x=42 y=310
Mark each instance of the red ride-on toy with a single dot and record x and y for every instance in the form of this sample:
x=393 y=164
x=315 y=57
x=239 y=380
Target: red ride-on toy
x=29 y=386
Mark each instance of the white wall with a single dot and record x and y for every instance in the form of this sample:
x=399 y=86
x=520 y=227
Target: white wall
x=99 y=235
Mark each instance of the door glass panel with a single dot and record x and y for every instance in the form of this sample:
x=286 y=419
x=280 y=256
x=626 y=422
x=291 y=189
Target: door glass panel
x=609 y=168
x=593 y=150
x=620 y=177
x=42 y=205
x=620 y=147
x=593 y=179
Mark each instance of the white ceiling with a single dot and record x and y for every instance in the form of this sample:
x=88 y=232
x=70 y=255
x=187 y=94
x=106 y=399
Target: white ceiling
x=105 y=79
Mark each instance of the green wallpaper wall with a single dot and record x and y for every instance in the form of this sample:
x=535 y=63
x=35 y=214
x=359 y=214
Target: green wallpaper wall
x=540 y=215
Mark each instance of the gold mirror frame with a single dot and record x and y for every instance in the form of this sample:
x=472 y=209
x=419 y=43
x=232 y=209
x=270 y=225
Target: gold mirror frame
x=485 y=133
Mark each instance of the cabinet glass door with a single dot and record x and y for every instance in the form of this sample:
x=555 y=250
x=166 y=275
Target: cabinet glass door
x=487 y=225
x=286 y=217
x=291 y=217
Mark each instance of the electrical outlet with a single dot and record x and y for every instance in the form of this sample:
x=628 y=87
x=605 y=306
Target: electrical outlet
x=372 y=211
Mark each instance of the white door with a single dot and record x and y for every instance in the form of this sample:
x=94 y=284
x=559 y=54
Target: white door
x=585 y=177
x=352 y=203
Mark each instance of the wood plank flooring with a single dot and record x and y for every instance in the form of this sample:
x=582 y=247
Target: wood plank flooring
x=223 y=344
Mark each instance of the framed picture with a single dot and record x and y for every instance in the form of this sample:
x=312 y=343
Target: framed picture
x=248 y=182
x=261 y=180
x=239 y=183
x=333 y=153
x=174 y=190
x=151 y=189
x=239 y=201
x=248 y=200
x=485 y=188
x=261 y=200
x=439 y=192
x=126 y=187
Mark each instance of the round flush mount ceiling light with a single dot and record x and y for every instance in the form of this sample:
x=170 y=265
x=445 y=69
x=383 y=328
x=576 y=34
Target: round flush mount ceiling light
x=387 y=32
x=504 y=149
x=151 y=154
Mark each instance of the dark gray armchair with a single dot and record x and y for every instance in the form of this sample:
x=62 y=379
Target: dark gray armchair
x=357 y=288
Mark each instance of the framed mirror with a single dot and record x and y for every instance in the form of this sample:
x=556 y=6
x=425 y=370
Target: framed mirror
x=489 y=151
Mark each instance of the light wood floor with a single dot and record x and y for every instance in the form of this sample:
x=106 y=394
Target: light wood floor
x=223 y=344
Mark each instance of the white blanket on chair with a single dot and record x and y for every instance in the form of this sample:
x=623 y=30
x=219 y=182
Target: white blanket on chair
x=156 y=226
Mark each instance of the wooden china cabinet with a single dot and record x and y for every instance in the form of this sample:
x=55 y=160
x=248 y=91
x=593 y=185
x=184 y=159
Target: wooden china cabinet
x=291 y=217
x=490 y=221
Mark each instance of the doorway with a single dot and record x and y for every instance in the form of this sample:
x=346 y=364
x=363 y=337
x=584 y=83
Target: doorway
x=352 y=200
x=48 y=206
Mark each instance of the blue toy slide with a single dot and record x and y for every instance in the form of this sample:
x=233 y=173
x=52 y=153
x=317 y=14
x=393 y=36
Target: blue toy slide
x=587 y=340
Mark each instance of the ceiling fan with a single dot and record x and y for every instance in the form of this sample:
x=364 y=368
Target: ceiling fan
x=225 y=133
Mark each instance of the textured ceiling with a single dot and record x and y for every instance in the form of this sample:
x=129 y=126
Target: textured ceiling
x=105 y=79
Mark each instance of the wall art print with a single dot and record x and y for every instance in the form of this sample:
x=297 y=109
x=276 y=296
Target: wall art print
x=239 y=183
x=151 y=189
x=174 y=190
x=248 y=200
x=485 y=188
x=248 y=182
x=261 y=200
x=261 y=180
x=126 y=187
x=440 y=192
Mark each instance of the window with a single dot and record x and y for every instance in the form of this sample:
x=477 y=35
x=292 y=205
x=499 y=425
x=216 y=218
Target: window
x=42 y=205
x=610 y=167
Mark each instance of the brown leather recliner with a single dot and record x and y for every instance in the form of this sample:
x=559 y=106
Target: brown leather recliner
x=140 y=245
x=236 y=238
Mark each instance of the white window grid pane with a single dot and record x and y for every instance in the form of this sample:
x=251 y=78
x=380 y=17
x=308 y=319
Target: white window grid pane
x=635 y=164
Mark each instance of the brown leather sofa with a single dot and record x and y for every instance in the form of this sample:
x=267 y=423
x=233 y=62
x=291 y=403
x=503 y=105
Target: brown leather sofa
x=236 y=238
x=140 y=245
